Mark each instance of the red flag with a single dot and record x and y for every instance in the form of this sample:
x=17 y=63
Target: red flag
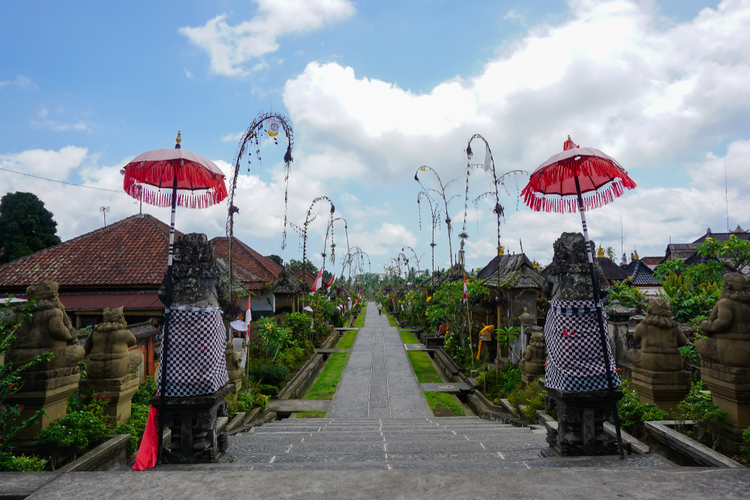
x=318 y=282
x=355 y=302
x=466 y=291
x=331 y=282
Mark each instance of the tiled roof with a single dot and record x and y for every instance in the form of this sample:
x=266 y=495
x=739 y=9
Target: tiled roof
x=741 y=234
x=129 y=253
x=309 y=277
x=257 y=269
x=511 y=271
x=652 y=261
x=641 y=274
x=612 y=271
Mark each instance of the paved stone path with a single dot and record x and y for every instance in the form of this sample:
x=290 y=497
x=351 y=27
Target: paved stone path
x=378 y=381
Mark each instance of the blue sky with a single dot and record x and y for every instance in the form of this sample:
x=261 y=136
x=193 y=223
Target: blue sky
x=375 y=89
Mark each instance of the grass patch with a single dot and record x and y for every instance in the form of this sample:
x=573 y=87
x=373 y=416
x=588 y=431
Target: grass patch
x=392 y=320
x=325 y=385
x=347 y=341
x=423 y=368
x=360 y=321
x=408 y=338
x=443 y=404
x=311 y=414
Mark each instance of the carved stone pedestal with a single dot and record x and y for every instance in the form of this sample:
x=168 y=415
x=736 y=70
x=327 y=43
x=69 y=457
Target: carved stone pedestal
x=193 y=421
x=120 y=392
x=730 y=391
x=664 y=389
x=48 y=390
x=580 y=422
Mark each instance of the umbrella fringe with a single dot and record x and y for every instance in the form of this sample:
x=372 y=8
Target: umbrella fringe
x=534 y=195
x=187 y=199
x=154 y=185
x=569 y=204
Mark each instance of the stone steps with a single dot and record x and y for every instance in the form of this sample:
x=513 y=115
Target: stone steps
x=431 y=443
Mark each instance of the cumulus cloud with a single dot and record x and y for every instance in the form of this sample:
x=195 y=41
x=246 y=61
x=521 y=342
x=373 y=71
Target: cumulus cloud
x=614 y=75
x=231 y=47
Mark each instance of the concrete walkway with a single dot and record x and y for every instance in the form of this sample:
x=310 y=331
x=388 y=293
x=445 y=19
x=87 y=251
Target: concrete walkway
x=378 y=381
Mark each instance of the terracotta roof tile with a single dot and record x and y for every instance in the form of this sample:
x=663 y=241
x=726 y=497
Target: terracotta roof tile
x=258 y=270
x=130 y=252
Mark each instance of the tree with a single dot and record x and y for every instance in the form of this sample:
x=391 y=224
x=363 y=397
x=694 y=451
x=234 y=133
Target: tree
x=276 y=259
x=294 y=265
x=25 y=226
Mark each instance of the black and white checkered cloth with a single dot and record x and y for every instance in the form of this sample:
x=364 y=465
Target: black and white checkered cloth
x=574 y=352
x=197 y=362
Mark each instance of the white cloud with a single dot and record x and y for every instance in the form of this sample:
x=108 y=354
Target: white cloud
x=614 y=75
x=230 y=47
x=19 y=81
x=45 y=120
x=232 y=137
x=387 y=240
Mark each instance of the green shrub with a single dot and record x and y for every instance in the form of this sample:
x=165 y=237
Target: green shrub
x=633 y=414
x=246 y=400
x=507 y=379
x=73 y=434
x=135 y=426
x=21 y=463
x=709 y=419
x=268 y=374
x=146 y=390
x=532 y=396
x=268 y=390
x=299 y=324
x=746 y=449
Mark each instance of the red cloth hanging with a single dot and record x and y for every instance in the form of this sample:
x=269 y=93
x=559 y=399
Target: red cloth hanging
x=149 y=449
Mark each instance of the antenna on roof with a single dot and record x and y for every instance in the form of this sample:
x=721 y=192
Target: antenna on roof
x=104 y=211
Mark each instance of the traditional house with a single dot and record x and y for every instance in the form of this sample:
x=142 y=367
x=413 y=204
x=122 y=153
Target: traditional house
x=642 y=277
x=255 y=272
x=123 y=265
x=612 y=271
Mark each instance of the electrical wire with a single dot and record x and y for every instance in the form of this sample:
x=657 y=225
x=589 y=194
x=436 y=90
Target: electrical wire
x=62 y=182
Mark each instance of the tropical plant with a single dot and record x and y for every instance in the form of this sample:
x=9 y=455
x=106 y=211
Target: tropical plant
x=734 y=250
x=273 y=338
x=709 y=419
x=633 y=414
x=11 y=317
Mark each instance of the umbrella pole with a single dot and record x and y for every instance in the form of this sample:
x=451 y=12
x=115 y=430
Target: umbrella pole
x=167 y=314
x=602 y=334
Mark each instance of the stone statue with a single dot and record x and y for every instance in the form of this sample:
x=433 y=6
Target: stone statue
x=107 y=348
x=234 y=368
x=657 y=373
x=45 y=385
x=728 y=326
x=571 y=333
x=199 y=280
x=532 y=364
x=576 y=372
x=49 y=330
x=196 y=361
x=569 y=277
x=660 y=339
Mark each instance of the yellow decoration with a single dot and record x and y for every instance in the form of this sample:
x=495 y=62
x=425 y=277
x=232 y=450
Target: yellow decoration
x=500 y=250
x=487 y=329
x=600 y=252
x=479 y=350
x=635 y=255
x=179 y=137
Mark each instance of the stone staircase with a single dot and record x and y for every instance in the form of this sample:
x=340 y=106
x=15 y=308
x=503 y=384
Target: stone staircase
x=431 y=443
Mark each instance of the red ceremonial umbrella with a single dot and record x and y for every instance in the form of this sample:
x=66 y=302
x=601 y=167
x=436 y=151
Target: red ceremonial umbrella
x=171 y=177
x=580 y=179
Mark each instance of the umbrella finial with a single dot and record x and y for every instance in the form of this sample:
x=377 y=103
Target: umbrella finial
x=178 y=140
x=569 y=144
